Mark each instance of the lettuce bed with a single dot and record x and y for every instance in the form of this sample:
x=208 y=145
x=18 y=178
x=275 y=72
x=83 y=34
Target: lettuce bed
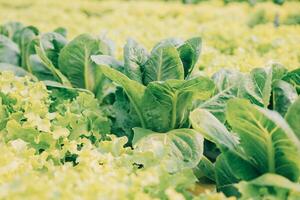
x=44 y=157
x=235 y=45
x=80 y=121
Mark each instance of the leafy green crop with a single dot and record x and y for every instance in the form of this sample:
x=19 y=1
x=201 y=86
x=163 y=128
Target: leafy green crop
x=271 y=87
x=160 y=94
x=260 y=141
x=49 y=56
x=237 y=130
x=269 y=186
x=60 y=139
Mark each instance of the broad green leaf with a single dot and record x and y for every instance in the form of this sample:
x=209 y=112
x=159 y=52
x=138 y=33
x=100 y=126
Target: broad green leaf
x=140 y=133
x=48 y=64
x=36 y=67
x=135 y=56
x=284 y=94
x=52 y=43
x=108 y=45
x=174 y=42
x=124 y=115
x=134 y=90
x=266 y=138
x=293 y=78
x=205 y=169
x=278 y=71
x=228 y=83
x=10 y=28
x=75 y=61
x=163 y=64
x=225 y=177
x=167 y=104
x=177 y=149
x=293 y=117
x=23 y=38
x=212 y=129
x=18 y=71
x=189 y=54
x=57 y=85
x=241 y=164
x=258 y=86
x=107 y=61
x=101 y=82
x=201 y=87
x=269 y=186
x=62 y=31
x=9 y=51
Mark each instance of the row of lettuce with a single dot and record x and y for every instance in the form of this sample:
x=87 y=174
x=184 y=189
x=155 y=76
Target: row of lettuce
x=251 y=2
x=174 y=126
x=273 y=36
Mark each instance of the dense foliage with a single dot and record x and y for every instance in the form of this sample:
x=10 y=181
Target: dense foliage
x=79 y=121
x=253 y=35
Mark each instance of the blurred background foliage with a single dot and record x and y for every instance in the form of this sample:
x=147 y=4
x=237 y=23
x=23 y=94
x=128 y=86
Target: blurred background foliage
x=238 y=34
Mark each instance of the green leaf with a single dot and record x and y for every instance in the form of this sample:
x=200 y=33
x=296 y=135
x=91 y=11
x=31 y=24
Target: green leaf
x=266 y=138
x=23 y=38
x=269 y=186
x=36 y=139
x=177 y=149
x=107 y=61
x=225 y=177
x=53 y=84
x=293 y=78
x=134 y=90
x=169 y=42
x=76 y=64
x=212 y=129
x=18 y=71
x=37 y=68
x=124 y=115
x=135 y=56
x=258 y=86
x=62 y=31
x=101 y=82
x=10 y=28
x=205 y=169
x=284 y=94
x=52 y=43
x=140 y=133
x=163 y=64
x=48 y=64
x=241 y=164
x=228 y=83
x=293 y=117
x=167 y=104
x=278 y=71
x=189 y=54
x=9 y=51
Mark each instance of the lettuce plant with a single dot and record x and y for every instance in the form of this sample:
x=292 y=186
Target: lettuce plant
x=259 y=141
x=272 y=87
x=49 y=57
x=159 y=92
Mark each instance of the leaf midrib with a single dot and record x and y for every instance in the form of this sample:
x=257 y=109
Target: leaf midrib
x=270 y=148
x=85 y=68
x=159 y=69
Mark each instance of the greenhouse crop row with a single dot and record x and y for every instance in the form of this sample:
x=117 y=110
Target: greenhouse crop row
x=236 y=36
x=81 y=123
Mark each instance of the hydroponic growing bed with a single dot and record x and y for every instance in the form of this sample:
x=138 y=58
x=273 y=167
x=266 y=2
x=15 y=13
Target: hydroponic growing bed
x=84 y=117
